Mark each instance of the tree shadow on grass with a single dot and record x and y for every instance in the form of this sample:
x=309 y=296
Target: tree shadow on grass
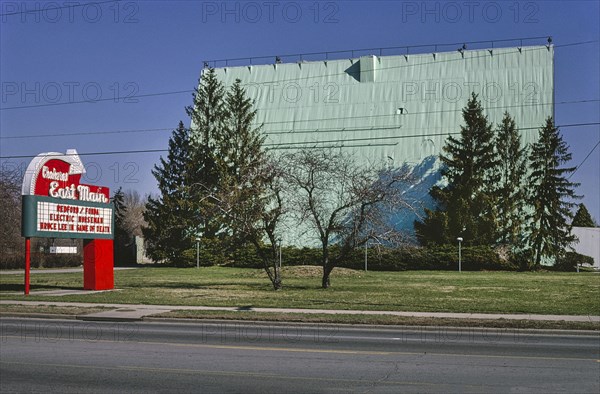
x=214 y=285
x=13 y=287
x=237 y=283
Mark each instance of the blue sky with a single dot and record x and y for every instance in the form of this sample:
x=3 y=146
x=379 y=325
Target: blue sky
x=113 y=50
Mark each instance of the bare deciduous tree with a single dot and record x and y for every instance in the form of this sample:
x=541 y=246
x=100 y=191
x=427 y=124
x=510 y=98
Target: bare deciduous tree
x=251 y=204
x=134 y=216
x=11 y=242
x=345 y=203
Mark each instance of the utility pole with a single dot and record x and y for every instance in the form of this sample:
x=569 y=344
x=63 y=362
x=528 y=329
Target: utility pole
x=459 y=239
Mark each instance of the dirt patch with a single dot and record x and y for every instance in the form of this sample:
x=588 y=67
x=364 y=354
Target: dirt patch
x=312 y=271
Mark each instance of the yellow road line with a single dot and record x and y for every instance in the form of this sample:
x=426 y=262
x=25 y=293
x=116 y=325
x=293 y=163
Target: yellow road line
x=229 y=373
x=310 y=350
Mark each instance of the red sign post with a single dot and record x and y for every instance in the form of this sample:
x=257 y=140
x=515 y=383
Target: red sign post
x=57 y=205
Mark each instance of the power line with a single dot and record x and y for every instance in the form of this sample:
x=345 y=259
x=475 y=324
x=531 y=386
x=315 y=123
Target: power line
x=423 y=135
x=583 y=161
x=293 y=131
x=575 y=125
x=290 y=145
x=428 y=112
x=96 y=100
x=528 y=102
x=341 y=145
x=83 y=133
x=285 y=80
x=92 y=153
x=348 y=140
x=420 y=128
x=334 y=130
x=443 y=134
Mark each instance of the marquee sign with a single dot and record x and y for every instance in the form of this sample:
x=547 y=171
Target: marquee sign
x=57 y=205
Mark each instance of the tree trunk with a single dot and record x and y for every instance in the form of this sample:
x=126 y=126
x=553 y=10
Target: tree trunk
x=274 y=277
x=538 y=256
x=270 y=262
x=277 y=283
x=325 y=282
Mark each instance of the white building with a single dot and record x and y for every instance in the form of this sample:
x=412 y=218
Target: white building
x=397 y=109
x=589 y=242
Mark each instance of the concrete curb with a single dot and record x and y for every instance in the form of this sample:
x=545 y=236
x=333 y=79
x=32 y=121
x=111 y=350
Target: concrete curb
x=373 y=326
x=139 y=311
x=390 y=327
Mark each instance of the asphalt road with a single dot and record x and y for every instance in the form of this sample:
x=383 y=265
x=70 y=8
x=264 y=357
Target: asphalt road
x=87 y=357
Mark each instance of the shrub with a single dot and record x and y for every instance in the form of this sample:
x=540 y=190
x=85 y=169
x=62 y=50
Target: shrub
x=569 y=262
x=41 y=256
x=380 y=258
x=245 y=257
x=406 y=258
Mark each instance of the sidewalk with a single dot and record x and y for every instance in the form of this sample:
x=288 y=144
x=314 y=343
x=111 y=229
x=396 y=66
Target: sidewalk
x=55 y=270
x=137 y=312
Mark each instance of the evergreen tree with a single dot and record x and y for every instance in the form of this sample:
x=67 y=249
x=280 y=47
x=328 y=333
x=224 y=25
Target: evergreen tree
x=433 y=230
x=235 y=185
x=551 y=190
x=242 y=142
x=122 y=238
x=466 y=204
x=250 y=189
x=214 y=181
x=208 y=115
x=583 y=218
x=241 y=152
x=170 y=215
x=510 y=190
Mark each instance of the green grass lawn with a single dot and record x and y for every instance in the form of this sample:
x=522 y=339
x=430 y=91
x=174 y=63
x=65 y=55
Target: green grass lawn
x=435 y=291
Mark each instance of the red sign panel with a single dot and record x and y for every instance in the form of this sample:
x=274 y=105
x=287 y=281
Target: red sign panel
x=56 y=204
x=52 y=175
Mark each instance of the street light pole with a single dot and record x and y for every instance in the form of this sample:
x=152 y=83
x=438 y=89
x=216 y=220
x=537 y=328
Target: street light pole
x=366 y=254
x=459 y=239
x=279 y=240
x=197 y=252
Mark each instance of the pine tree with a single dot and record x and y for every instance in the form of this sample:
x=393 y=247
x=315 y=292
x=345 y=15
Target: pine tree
x=249 y=183
x=208 y=115
x=227 y=150
x=241 y=151
x=550 y=196
x=510 y=187
x=433 y=230
x=583 y=218
x=170 y=215
x=214 y=182
x=466 y=204
x=234 y=182
x=121 y=237
x=242 y=143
